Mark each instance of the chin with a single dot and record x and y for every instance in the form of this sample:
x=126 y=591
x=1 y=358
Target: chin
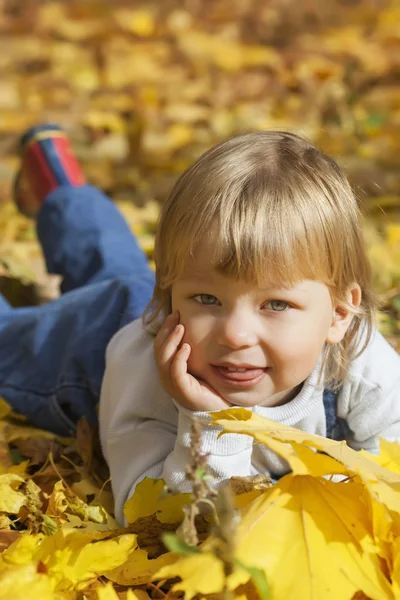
x=240 y=402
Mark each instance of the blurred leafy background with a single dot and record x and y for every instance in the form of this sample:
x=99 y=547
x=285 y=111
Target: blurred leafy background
x=143 y=88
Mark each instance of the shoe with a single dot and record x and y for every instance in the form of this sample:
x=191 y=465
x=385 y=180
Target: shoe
x=47 y=161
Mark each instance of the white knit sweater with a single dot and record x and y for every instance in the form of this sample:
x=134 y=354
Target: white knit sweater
x=145 y=433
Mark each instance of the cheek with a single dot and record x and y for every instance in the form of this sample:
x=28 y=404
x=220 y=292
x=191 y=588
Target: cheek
x=299 y=346
x=197 y=335
x=198 y=352
x=294 y=362
x=194 y=335
x=197 y=328
x=313 y=329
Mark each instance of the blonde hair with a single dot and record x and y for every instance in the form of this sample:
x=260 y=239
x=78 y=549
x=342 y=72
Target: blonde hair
x=285 y=212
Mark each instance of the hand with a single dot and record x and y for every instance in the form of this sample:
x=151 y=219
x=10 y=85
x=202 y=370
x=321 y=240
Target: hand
x=171 y=358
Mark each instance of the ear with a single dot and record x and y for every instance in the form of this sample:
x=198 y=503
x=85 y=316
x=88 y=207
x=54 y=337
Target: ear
x=343 y=315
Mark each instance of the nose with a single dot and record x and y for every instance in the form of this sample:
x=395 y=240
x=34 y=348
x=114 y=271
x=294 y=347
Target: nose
x=237 y=330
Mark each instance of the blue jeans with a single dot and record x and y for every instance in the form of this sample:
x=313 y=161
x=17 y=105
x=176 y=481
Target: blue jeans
x=52 y=358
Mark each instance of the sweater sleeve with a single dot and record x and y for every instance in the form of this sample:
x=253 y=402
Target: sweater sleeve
x=228 y=455
x=370 y=400
x=144 y=433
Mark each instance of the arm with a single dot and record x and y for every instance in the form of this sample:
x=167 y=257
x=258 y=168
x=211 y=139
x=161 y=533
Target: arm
x=370 y=400
x=379 y=418
x=137 y=420
x=375 y=415
x=144 y=433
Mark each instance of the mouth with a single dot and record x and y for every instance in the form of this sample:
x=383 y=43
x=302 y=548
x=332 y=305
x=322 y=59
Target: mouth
x=240 y=375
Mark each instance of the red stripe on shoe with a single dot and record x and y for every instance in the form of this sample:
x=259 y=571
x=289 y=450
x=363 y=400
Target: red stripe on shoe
x=40 y=175
x=68 y=161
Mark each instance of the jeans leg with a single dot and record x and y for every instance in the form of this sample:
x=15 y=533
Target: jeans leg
x=52 y=358
x=85 y=238
x=5 y=308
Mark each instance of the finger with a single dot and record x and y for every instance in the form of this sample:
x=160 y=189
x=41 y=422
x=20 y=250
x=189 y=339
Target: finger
x=167 y=351
x=179 y=370
x=166 y=329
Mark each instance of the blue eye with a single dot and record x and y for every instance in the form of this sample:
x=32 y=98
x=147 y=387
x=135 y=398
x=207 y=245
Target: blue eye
x=278 y=305
x=206 y=299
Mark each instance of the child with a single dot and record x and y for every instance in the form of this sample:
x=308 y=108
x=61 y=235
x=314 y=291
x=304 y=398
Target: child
x=262 y=274
x=262 y=299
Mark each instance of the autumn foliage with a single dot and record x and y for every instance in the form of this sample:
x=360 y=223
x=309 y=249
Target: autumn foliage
x=143 y=89
x=329 y=529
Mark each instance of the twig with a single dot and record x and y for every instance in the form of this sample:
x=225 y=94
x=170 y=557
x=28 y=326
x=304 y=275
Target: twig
x=196 y=473
x=157 y=589
x=53 y=464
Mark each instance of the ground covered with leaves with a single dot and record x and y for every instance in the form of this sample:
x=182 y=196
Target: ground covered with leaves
x=143 y=89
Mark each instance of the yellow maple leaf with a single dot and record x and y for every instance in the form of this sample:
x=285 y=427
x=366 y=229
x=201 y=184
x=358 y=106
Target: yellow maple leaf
x=150 y=498
x=21 y=551
x=382 y=484
x=200 y=573
x=96 y=559
x=312 y=538
x=138 y=568
x=381 y=499
x=73 y=561
x=389 y=455
x=11 y=499
x=277 y=437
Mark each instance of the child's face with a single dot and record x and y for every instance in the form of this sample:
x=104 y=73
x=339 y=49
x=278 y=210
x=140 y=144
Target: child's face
x=280 y=333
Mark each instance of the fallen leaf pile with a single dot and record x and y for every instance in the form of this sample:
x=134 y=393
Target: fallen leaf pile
x=328 y=529
x=142 y=89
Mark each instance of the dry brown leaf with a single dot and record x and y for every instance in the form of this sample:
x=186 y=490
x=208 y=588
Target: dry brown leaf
x=7 y=537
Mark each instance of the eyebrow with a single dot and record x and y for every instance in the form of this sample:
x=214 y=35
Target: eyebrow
x=200 y=278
